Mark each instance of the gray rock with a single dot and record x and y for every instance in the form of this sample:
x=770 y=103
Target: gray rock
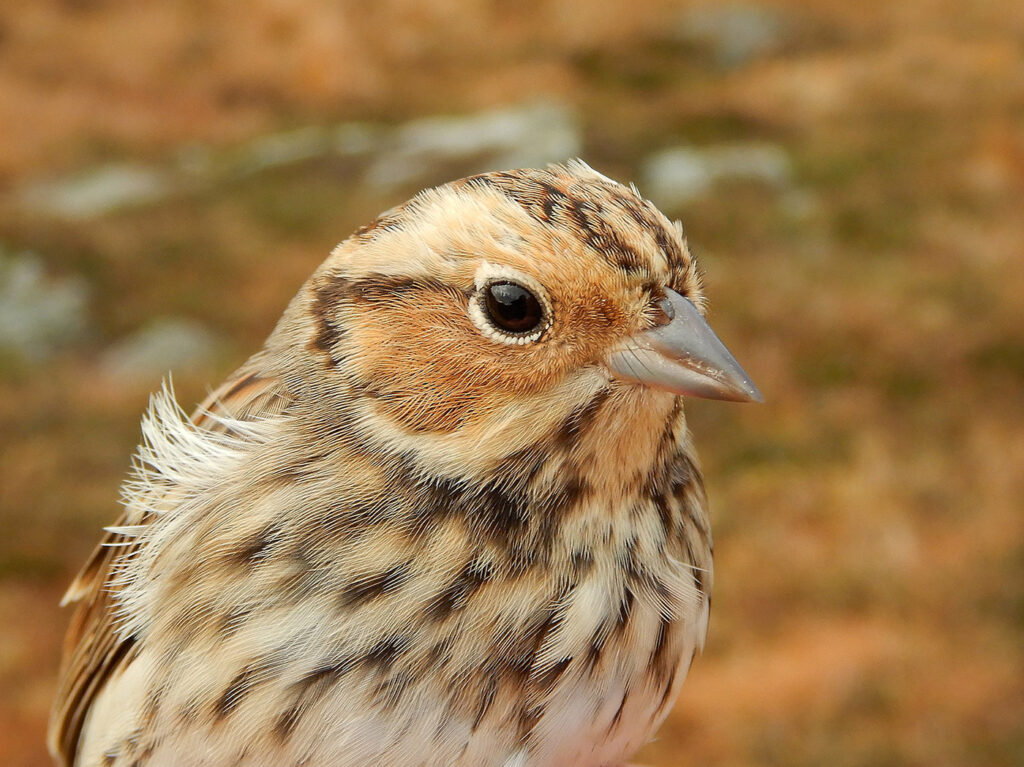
x=767 y=163
x=514 y=137
x=163 y=345
x=673 y=177
x=283 y=149
x=415 y=152
x=98 y=191
x=38 y=315
x=734 y=33
x=93 y=193
x=356 y=139
x=678 y=175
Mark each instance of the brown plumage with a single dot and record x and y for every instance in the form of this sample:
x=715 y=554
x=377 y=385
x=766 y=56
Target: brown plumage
x=449 y=515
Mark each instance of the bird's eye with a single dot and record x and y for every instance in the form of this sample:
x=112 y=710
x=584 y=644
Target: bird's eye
x=509 y=307
x=512 y=307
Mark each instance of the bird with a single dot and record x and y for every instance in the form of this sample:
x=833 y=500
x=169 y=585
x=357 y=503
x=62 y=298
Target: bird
x=449 y=515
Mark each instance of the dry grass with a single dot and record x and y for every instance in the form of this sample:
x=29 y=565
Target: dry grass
x=870 y=571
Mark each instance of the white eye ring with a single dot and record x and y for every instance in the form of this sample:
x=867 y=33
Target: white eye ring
x=491 y=274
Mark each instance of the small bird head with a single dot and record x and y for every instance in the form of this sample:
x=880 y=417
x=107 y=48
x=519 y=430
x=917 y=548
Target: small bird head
x=481 y=314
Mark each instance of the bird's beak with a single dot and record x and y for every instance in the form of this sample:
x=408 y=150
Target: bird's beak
x=683 y=356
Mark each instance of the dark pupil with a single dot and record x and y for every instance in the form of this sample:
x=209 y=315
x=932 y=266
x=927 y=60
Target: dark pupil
x=513 y=307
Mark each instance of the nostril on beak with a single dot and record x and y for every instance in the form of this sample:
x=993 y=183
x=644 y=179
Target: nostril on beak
x=664 y=312
x=666 y=306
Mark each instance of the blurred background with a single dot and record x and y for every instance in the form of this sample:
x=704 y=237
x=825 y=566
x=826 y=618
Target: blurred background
x=851 y=176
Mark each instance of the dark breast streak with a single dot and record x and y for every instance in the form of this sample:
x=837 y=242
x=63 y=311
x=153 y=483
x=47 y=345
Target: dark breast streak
x=513 y=539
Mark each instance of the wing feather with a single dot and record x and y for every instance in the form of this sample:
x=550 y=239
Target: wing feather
x=94 y=650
